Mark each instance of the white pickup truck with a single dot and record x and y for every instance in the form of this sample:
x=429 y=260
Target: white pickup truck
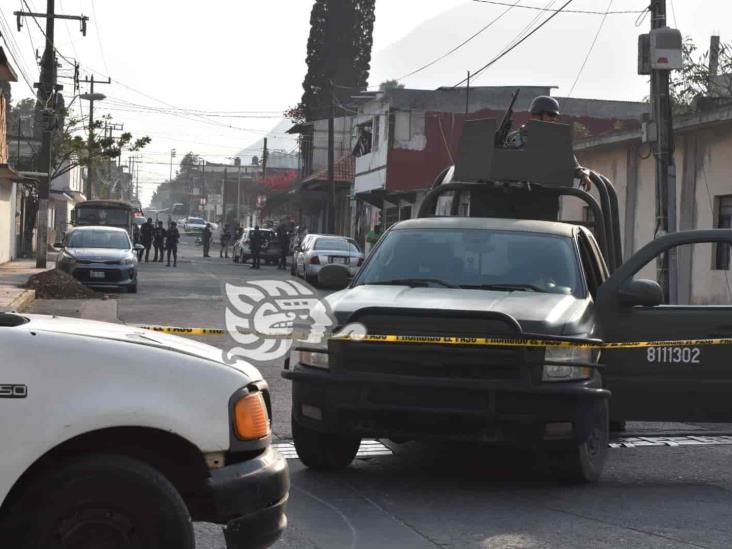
x=114 y=436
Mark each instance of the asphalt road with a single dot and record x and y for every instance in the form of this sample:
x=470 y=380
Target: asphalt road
x=432 y=496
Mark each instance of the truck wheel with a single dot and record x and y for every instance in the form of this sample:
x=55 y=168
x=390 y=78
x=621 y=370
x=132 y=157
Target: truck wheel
x=100 y=501
x=583 y=462
x=132 y=289
x=617 y=425
x=323 y=450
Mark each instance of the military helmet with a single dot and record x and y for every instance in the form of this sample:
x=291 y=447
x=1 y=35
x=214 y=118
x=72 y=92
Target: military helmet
x=543 y=104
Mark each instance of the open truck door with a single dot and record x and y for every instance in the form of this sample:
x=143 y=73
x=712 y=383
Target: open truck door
x=685 y=382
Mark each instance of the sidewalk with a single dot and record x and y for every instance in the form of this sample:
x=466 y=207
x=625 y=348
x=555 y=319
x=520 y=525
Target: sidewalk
x=13 y=275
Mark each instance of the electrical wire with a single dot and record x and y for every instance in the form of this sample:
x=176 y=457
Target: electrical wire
x=98 y=32
x=515 y=45
x=8 y=40
x=463 y=43
x=589 y=51
x=586 y=12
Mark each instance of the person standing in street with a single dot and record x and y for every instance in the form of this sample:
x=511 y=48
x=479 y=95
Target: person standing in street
x=171 y=243
x=255 y=245
x=225 y=241
x=159 y=235
x=372 y=237
x=283 y=239
x=206 y=239
x=136 y=240
x=146 y=237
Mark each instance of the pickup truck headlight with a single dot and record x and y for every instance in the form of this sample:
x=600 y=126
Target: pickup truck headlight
x=128 y=261
x=310 y=353
x=558 y=372
x=250 y=417
x=66 y=257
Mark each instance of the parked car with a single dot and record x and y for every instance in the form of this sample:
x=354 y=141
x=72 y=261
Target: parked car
x=104 y=450
x=269 y=252
x=194 y=224
x=102 y=257
x=317 y=250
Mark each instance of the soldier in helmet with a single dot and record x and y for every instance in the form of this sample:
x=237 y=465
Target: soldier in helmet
x=542 y=108
x=545 y=109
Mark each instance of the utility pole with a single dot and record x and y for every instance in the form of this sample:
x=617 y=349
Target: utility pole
x=331 y=165
x=238 y=191
x=203 y=185
x=223 y=192
x=666 y=266
x=46 y=98
x=90 y=190
x=172 y=156
x=265 y=154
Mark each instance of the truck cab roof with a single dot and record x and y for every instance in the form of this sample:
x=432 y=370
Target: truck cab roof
x=489 y=223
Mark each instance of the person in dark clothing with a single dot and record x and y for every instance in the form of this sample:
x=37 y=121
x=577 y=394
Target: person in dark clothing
x=171 y=243
x=225 y=241
x=136 y=240
x=255 y=245
x=146 y=237
x=283 y=239
x=206 y=239
x=159 y=235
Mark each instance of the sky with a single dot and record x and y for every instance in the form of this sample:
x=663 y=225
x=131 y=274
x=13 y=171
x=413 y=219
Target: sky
x=214 y=77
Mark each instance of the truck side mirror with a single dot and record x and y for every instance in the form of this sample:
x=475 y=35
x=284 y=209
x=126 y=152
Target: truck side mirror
x=647 y=293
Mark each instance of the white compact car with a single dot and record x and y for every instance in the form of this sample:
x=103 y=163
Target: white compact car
x=114 y=436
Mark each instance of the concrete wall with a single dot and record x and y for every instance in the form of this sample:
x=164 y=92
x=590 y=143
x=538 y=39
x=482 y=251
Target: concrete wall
x=703 y=165
x=371 y=168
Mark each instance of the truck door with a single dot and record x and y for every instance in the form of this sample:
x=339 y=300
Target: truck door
x=680 y=383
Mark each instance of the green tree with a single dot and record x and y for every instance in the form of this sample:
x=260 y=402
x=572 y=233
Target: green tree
x=387 y=85
x=338 y=53
x=694 y=79
x=71 y=147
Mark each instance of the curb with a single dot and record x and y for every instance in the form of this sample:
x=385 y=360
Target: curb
x=20 y=302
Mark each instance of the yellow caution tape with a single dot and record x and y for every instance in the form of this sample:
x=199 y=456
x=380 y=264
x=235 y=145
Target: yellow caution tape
x=185 y=331
x=524 y=342
x=461 y=341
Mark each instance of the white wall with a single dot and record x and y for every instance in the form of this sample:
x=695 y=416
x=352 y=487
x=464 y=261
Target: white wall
x=371 y=168
x=7 y=220
x=708 y=176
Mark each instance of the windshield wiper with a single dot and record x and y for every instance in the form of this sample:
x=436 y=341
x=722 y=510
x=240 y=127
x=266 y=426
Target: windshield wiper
x=503 y=287
x=412 y=282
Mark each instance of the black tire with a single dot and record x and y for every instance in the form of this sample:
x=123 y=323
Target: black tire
x=132 y=289
x=100 y=501
x=323 y=450
x=310 y=279
x=583 y=463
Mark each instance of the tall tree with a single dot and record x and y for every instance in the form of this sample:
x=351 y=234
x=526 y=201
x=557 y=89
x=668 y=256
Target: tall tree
x=339 y=53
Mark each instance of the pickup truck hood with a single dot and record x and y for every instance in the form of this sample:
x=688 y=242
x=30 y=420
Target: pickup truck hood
x=543 y=313
x=133 y=336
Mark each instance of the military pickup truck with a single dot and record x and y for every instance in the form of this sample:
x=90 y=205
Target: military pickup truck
x=488 y=258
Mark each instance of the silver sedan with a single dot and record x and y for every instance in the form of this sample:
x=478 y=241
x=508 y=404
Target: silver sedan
x=319 y=250
x=100 y=257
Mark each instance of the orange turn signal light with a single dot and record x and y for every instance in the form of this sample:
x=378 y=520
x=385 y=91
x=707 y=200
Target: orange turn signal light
x=250 y=417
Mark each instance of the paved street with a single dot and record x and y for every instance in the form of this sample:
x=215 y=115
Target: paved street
x=431 y=496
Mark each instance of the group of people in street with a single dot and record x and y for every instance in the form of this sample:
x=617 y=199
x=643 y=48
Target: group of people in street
x=155 y=235
x=226 y=239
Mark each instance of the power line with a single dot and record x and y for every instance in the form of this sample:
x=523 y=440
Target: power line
x=463 y=43
x=98 y=32
x=9 y=41
x=592 y=46
x=586 y=12
x=514 y=46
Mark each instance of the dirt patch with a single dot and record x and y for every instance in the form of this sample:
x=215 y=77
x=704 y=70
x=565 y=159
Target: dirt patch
x=55 y=284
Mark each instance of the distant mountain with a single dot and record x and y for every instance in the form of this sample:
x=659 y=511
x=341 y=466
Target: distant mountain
x=282 y=147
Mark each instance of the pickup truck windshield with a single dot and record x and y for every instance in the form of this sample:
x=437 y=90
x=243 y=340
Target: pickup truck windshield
x=476 y=259
x=98 y=239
